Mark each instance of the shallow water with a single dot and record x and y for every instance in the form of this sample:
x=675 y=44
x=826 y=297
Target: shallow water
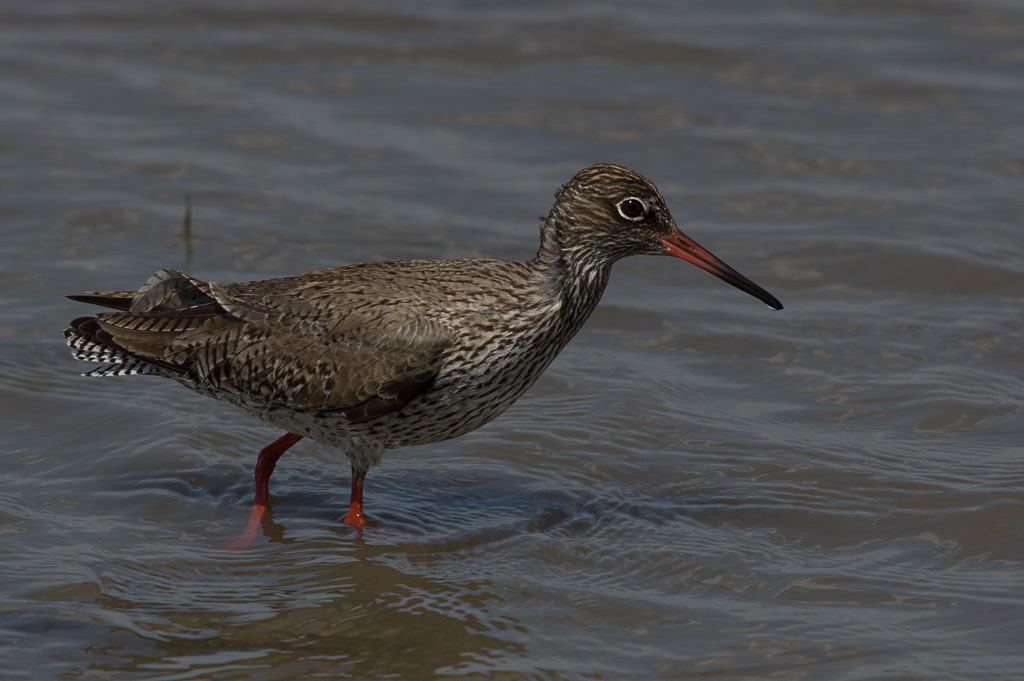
x=697 y=487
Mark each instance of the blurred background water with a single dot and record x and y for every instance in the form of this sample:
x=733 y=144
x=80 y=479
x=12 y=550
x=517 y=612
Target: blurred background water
x=698 y=487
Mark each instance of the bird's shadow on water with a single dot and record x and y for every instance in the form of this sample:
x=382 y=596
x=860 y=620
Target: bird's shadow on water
x=421 y=518
x=424 y=512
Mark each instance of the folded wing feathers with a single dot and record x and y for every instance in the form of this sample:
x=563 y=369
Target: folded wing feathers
x=308 y=346
x=170 y=291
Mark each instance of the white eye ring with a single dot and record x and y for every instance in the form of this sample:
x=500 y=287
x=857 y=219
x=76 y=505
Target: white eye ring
x=630 y=206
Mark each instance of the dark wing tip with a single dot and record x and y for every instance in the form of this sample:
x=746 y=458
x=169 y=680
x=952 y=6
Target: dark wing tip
x=113 y=302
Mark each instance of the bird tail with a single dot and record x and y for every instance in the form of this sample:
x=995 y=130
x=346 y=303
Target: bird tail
x=89 y=343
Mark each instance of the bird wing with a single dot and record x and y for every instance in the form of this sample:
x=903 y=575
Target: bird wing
x=315 y=341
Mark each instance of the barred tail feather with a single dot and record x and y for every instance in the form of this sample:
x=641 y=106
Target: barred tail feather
x=86 y=349
x=86 y=346
x=124 y=369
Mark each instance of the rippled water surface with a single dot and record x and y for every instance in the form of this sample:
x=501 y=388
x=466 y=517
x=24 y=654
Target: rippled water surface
x=698 y=486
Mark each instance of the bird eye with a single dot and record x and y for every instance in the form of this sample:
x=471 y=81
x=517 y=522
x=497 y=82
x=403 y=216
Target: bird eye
x=632 y=209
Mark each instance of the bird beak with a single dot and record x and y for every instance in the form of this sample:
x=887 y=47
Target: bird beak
x=682 y=246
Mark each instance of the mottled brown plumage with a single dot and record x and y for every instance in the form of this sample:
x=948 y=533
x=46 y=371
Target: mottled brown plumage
x=383 y=355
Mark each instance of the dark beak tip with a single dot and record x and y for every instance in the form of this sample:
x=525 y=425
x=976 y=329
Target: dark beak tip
x=685 y=248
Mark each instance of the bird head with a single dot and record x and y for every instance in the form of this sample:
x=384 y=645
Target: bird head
x=607 y=212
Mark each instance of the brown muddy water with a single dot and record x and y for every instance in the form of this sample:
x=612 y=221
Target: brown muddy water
x=698 y=487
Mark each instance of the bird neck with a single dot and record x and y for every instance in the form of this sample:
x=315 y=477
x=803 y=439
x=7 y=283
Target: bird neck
x=573 y=274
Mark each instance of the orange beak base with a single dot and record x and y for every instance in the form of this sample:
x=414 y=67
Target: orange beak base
x=682 y=246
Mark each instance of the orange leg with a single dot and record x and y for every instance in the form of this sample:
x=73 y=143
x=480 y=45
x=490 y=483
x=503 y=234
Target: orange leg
x=265 y=464
x=355 y=516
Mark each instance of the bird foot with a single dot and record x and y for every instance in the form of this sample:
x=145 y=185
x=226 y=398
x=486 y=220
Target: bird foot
x=244 y=540
x=355 y=516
